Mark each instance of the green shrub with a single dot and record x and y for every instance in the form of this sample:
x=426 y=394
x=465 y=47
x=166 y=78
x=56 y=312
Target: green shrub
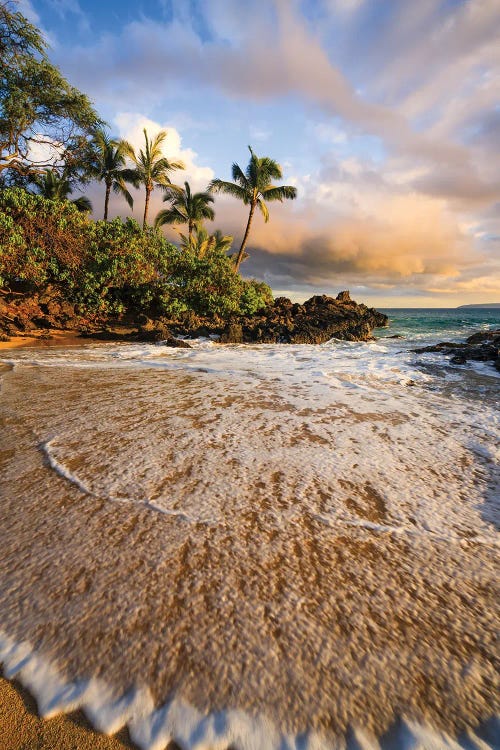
x=115 y=266
x=255 y=296
x=207 y=285
x=41 y=241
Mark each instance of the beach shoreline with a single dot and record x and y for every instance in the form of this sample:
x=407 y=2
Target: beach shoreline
x=311 y=542
x=57 y=337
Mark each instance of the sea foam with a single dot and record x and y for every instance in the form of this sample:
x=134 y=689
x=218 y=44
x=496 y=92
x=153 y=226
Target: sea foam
x=357 y=439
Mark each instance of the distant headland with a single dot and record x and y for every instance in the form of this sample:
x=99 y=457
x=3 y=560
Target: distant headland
x=488 y=305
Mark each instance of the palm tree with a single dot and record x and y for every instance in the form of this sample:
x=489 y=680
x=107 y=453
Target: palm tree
x=109 y=167
x=201 y=243
x=221 y=241
x=186 y=208
x=254 y=187
x=151 y=168
x=57 y=186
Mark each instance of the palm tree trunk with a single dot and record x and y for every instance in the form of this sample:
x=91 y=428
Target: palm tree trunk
x=146 y=206
x=245 y=238
x=106 y=200
x=190 y=229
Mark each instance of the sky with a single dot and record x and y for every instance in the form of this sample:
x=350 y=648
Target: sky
x=385 y=114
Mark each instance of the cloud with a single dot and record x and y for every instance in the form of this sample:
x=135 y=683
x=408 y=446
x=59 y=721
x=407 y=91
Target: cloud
x=349 y=232
x=398 y=164
x=408 y=238
x=71 y=7
x=268 y=51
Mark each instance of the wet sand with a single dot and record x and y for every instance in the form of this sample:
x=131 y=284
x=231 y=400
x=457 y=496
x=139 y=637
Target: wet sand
x=21 y=728
x=54 y=337
x=267 y=599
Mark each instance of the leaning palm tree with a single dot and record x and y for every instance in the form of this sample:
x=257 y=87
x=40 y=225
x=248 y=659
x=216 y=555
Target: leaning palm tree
x=151 y=168
x=51 y=184
x=109 y=167
x=186 y=208
x=254 y=187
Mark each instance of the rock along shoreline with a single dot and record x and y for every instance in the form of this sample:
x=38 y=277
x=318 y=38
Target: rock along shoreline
x=316 y=321
x=482 y=346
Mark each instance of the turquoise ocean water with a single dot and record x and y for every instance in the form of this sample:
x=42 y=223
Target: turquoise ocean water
x=439 y=324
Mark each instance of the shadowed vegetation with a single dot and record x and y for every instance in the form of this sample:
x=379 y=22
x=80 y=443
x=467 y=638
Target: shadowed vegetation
x=59 y=187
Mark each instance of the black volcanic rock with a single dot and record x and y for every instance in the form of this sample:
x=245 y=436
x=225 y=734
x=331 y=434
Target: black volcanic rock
x=319 y=319
x=482 y=346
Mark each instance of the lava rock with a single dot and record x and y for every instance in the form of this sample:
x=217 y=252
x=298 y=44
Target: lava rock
x=154 y=334
x=319 y=319
x=233 y=334
x=482 y=346
x=344 y=297
x=175 y=343
x=482 y=336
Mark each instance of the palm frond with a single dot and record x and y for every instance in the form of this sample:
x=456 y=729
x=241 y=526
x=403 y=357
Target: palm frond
x=120 y=188
x=128 y=151
x=154 y=145
x=239 y=176
x=222 y=242
x=171 y=189
x=162 y=167
x=270 y=168
x=82 y=203
x=170 y=216
x=229 y=188
x=252 y=169
x=279 y=192
x=263 y=209
x=132 y=176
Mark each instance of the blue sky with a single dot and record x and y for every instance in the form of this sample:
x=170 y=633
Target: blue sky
x=385 y=114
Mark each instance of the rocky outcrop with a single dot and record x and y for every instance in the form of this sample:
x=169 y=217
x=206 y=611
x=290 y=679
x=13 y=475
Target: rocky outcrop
x=319 y=319
x=22 y=313
x=284 y=322
x=482 y=346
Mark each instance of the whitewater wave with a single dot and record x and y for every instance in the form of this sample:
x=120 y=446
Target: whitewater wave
x=152 y=728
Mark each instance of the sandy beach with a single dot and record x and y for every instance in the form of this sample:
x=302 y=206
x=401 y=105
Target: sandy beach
x=22 y=729
x=55 y=337
x=300 y=570
x=249 y=375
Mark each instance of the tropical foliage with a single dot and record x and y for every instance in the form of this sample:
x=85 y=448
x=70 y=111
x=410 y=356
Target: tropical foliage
x=151 y=167
x=108 y=166
x=254 y=187
x=201 y=243
x=43 y=120
x=114 y=266
x=59 y=187
x=186 y=207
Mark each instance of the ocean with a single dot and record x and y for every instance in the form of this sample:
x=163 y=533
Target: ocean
x=440 y=323
x=260 y=546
